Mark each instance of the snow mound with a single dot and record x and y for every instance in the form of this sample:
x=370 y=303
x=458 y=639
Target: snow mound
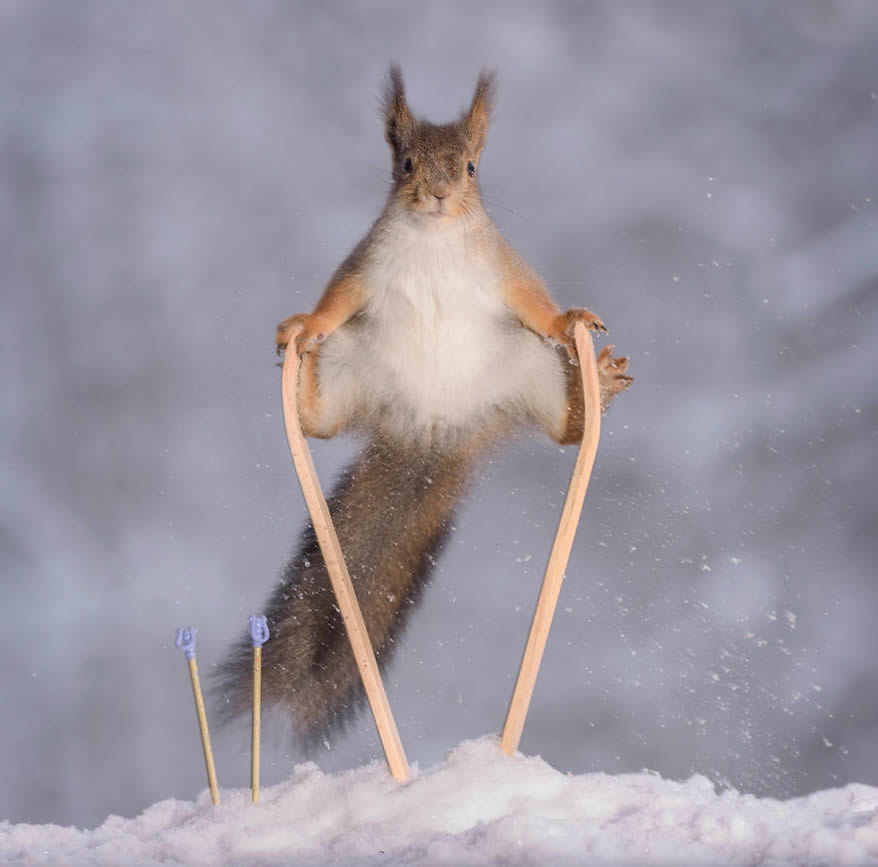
x=479 y=807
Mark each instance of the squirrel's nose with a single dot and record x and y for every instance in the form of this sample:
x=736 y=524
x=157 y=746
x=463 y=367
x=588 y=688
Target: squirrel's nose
x=441 y=191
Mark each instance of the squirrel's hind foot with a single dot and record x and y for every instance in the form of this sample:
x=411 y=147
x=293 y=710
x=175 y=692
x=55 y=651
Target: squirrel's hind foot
x=612 y=375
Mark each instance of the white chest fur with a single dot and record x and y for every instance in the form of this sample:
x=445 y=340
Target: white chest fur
x=437 y=320
x=436 y=344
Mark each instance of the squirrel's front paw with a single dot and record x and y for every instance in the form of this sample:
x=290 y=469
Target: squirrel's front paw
x=561 y=330
x=305 y=328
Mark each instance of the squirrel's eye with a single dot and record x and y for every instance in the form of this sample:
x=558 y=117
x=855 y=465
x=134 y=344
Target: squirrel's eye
x=470 y=169
x=407 y=165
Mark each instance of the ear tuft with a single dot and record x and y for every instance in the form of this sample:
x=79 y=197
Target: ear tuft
x=478 y=118
x=398 y=121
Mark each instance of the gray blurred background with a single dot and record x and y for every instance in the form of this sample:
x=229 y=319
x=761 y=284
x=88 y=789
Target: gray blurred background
x=176 y=178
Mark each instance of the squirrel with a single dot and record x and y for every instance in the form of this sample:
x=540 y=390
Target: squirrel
x=436 y=340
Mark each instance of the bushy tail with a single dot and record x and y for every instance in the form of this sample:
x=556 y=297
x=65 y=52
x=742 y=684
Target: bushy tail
x=392 y=509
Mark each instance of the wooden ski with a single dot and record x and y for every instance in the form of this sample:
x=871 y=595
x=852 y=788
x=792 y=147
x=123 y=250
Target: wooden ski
x=548 y=598
x=338 y=572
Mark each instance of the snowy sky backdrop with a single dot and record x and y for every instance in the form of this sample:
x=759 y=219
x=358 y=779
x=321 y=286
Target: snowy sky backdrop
x=177 y=178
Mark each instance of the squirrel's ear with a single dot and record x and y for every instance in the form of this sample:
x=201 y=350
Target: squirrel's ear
x=399 y=125
x=479 y=116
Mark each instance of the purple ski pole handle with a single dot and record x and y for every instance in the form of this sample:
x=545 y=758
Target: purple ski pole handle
x=259 y=630
x=186 y=640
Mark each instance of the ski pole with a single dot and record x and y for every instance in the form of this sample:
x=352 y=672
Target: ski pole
x=186 y=642
x=259 y=633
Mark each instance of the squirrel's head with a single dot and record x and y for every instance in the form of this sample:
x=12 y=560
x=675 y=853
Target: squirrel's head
x=435 y=168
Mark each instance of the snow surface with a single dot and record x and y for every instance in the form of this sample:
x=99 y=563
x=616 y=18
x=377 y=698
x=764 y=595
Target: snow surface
x=479 y=807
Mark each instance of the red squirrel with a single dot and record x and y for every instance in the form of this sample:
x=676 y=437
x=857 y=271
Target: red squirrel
x=435 y=339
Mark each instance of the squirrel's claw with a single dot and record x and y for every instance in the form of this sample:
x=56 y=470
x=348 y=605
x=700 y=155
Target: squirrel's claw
x=284 y=333
x=612 y=374
x=300 y=329
x=566 y=321
x=589 y=319
x=562 y=328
